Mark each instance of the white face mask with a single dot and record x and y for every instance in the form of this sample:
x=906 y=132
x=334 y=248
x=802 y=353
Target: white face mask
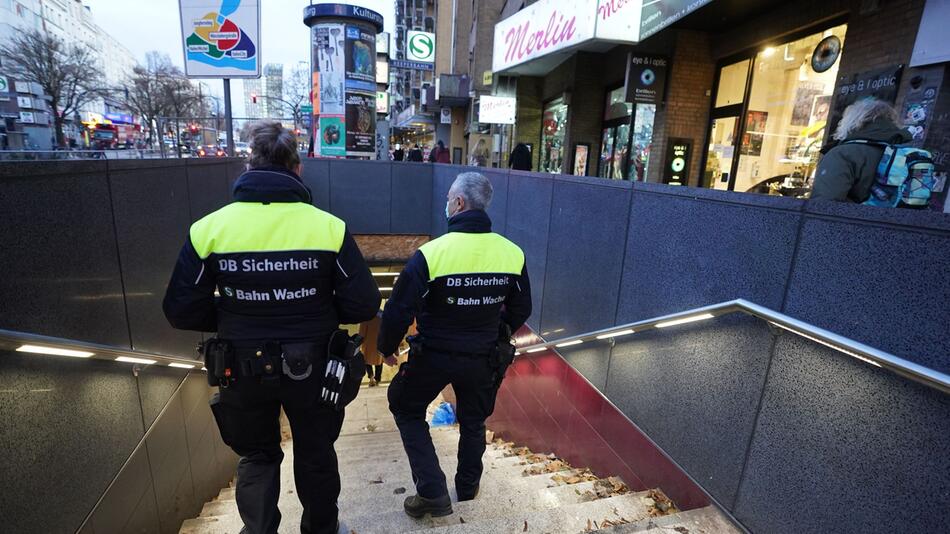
x=448 y=212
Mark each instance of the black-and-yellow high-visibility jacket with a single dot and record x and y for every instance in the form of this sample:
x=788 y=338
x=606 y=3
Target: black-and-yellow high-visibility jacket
x=458 y=288
x=283 y=269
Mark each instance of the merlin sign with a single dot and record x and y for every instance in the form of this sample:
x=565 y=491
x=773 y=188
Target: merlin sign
x=550 y=26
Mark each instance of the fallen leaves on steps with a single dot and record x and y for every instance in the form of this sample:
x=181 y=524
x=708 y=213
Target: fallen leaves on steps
x=606 y=487
x=575 y=478
x=662 y=505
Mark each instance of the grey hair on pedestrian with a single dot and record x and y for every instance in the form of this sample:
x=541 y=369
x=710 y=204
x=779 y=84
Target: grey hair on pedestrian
x=475 y=188
x=862 y=112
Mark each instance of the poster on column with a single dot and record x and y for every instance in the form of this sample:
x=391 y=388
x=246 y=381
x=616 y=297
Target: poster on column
x=360 y=60
x=360 y=124
x=328 y=45
x=332 y=136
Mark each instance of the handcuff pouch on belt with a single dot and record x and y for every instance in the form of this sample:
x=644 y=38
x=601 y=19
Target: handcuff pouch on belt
x=344 y=370
x=502 y=354
x=219 y=361
x=297 y=359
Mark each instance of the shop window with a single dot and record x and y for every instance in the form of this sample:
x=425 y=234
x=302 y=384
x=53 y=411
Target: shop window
x=553 y=126
x=625 y=138
x=642 y=139
x=767 y=140
x=732 y=81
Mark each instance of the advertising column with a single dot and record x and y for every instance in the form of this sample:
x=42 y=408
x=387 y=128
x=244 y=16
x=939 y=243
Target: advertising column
x=343 y=53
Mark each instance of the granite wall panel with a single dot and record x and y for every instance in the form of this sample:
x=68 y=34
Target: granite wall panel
x=585 y=254
x=170 y=467
x=692 y=248
x=61 y=274
x=411 y=211
x=209 y=188
x=360 y=194
x=591 y=360
x=694 y=390
x=527 y=224
x=152 y=217
x=316 y=176
x=157 y=384
x=874 y=275
x=79 y=419
x=843 y=446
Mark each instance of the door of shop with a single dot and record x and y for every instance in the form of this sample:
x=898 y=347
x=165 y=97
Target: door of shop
x=614 y=149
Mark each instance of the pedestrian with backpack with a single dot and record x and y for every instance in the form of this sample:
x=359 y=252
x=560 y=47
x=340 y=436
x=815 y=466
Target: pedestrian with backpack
x=872 y=163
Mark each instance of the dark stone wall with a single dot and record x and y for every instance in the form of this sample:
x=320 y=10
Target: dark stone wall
x=86 y=245
x=87 y=249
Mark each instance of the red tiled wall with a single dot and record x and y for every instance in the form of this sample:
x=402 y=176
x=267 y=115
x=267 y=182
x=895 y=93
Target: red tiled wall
x=546 y=405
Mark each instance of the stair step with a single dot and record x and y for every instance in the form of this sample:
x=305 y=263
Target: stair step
x=517 y=492
x=566 y=518
x=708 y=520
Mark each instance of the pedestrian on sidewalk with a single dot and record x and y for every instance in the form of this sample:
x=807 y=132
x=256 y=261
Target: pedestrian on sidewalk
x=468 y=290
x=848 y=169
x=520 y=158
x=374 y=361
x=440 y=154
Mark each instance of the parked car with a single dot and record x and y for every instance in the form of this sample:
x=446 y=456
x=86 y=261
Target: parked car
x=242 y=149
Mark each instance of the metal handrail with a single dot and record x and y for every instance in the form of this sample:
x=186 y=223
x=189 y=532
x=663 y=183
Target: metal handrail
x=907 y=369
x=12 y=339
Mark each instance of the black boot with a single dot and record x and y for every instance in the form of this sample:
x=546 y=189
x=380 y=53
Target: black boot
x=466 y=495
x=417 y=506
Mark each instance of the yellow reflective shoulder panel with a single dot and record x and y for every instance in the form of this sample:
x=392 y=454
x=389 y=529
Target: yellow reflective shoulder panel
x=256 y=227
x=463 y=253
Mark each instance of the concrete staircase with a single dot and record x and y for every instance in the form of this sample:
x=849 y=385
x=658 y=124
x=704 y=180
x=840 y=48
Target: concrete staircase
x=520 y=491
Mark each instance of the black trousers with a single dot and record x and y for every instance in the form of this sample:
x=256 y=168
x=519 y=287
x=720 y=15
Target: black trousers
x=377 y=375
x=248 y=415
x=416 y=385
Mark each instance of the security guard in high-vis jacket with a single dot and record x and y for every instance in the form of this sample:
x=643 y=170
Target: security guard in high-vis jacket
x=274 y=277
x=467 y=290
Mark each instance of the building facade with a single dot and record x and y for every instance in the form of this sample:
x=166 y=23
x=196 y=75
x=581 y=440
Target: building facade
x=273 y=106
x=253 y=103
x=411 y=123
x=736 y=98
x=25 y=112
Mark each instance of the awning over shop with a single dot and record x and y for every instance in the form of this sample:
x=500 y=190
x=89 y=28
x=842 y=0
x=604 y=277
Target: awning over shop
x=412 y=118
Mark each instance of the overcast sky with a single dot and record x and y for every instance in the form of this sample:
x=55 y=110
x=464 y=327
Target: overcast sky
x=146 y=25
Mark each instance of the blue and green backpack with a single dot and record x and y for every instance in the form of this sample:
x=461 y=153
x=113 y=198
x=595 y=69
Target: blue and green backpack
x=905 y=175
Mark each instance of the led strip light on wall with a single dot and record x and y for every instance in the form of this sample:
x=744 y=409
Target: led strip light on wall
x=843 y=345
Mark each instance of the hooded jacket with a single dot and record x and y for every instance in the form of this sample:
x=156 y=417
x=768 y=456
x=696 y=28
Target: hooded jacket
x=847 y=171
x=459 y=288
x=282 y=269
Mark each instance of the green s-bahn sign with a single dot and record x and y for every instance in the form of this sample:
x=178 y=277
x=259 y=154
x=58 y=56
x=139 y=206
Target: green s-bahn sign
x=420 y=47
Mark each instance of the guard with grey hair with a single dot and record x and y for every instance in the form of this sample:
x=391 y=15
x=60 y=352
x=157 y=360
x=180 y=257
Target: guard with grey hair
x=274 y=277
x=468 y=291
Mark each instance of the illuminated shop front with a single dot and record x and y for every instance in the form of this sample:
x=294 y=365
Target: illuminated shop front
x=770 y=113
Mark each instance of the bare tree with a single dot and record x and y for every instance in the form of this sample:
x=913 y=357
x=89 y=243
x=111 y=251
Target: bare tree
x=296 y=92
x=146 y=92
x=69 y=75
